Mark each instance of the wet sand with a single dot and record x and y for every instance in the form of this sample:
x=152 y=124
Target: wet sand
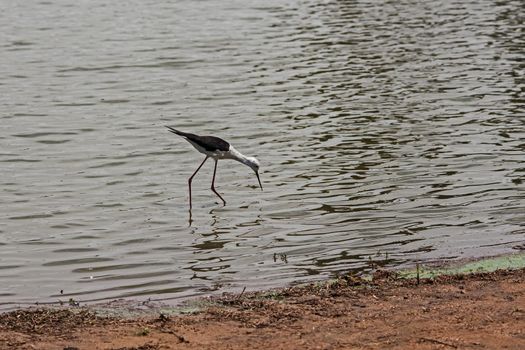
x=475 y=311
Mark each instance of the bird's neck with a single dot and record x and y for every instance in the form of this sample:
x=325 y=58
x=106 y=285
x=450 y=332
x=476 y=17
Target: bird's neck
x=238 y=156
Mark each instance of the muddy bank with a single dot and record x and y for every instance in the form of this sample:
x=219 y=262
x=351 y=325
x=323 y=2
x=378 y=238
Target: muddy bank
x=474 y=311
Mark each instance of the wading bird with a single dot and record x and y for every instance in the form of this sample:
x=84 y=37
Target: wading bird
x=216 y=148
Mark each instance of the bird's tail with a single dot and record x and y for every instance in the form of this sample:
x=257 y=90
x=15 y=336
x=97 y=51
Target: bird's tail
x=175 y=131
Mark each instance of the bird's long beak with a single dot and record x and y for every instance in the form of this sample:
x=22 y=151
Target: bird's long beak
x=258 y=178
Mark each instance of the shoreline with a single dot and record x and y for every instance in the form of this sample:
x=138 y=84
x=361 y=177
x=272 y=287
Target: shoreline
x=392 y=309
x=136 y=307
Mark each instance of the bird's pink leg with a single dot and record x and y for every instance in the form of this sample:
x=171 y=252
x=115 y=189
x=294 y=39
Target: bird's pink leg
x=213 y=183
x=191 y=177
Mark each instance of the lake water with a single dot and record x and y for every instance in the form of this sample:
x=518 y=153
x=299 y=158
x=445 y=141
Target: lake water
x=388 y=132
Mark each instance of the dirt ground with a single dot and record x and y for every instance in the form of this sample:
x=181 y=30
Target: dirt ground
x=479 y=311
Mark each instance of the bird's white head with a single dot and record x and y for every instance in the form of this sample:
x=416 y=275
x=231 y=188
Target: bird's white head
x=253 y=163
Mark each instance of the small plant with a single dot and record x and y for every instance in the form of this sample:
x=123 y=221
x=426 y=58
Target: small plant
x=73 y=302
x=274 y=295
x=163 y=317
x=144 y=331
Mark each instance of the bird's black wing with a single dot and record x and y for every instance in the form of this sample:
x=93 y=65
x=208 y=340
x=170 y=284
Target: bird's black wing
x=209 y=143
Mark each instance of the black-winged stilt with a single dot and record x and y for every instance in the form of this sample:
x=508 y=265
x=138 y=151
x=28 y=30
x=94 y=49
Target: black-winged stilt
x=216 y=148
